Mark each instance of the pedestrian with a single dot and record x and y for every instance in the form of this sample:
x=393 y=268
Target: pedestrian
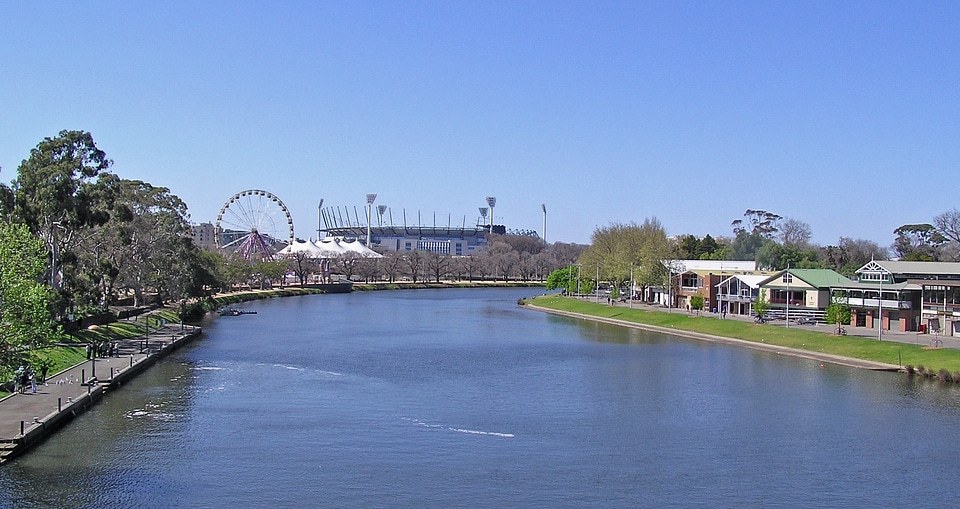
x=33 y=382
x=43 y=372
x=89 y=351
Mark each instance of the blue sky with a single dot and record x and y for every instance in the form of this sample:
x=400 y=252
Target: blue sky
x=845 y=115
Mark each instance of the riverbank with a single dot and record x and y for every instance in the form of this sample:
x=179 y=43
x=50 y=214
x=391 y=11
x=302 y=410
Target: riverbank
x=812 y=344
x=26 y=419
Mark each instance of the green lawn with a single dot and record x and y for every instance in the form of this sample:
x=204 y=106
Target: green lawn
x=847 y=346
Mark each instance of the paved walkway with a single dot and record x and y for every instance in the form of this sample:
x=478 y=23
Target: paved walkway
x=25 y=417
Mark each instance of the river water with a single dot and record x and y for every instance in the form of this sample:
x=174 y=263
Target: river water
x=461 y=398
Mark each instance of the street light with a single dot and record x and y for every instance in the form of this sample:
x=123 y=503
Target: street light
x=370 y=199
x=880 y=308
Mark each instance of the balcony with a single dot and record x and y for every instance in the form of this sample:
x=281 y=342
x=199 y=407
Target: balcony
x=874 y=303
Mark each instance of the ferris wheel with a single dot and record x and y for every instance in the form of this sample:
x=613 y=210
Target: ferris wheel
x=253 y=224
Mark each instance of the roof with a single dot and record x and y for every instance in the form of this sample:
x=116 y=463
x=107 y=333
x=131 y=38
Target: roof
x=916 y=268
x=714 y=266
x=817 y=278
x=751 y=280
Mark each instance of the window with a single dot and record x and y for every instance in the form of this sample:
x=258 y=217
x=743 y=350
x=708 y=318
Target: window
x=787 y=278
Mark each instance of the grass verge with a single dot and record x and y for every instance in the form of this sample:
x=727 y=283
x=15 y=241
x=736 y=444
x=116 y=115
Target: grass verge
x=814 y=341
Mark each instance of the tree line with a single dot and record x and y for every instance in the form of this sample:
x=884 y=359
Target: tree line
x=643 y=252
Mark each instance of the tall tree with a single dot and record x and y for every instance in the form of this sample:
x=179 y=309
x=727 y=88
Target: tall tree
x=760 y=222
x=26 y=322
x=795 y=232
x=918 y=242
x=57 y=193
x=948 y=224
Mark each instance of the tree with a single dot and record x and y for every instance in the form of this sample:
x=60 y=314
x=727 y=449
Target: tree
x=760 y=222
x=696 y=301
x=794 y=232
x=761 y=306
x=948 y=225
x=746 y=245
x=437 y=265
x=851 y=254
x=838 y=311
x=57 y=192
x=302 y=264
x=565 y=278
x=773 y=256
x=26 y=320
x=918 y=242
x=413 y=265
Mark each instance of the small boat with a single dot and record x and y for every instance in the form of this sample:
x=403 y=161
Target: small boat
x=225 y=311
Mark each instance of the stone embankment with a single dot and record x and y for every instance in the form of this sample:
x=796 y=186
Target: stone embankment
x=26 y=419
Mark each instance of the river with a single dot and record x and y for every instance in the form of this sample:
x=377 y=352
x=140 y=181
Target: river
x=461 y=398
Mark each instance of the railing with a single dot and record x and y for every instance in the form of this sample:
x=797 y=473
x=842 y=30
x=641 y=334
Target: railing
x=873 y=303
x=793 y=302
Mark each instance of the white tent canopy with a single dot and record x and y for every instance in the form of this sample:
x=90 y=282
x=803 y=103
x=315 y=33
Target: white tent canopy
x=298 y=246
x=355 y=246
x=331 y=247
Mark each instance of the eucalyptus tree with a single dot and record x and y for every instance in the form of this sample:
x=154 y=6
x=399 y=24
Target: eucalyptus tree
x=59 y=191
x=918 y=242
x=157 y=251
x=26 y=322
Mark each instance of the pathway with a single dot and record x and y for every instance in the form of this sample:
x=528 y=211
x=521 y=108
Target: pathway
x=27 y=418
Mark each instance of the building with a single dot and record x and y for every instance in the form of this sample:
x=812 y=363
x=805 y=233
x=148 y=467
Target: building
x=906 y=296
x=204 y=236
x=803 y=292
x=692 y=277
x=449 y=239
x=737 y=293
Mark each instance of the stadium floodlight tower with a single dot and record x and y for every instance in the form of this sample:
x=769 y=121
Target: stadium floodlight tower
x=543 y=206
x=483 y=215
x=370 y=199
x=380 y=210
x=492 y=202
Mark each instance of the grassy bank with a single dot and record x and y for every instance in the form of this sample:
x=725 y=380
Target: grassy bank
x=847 y=346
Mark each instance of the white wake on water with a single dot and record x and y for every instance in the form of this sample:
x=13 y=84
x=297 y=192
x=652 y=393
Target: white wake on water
x=418 y=422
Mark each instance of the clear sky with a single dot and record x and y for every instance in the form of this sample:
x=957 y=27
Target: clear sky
x=845 y=115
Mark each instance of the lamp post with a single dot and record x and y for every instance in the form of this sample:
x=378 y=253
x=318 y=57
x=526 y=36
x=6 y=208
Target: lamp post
x=630 y=297
x=370 y=199
x=880 y=308
x=596 y=287
x=787 y=277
